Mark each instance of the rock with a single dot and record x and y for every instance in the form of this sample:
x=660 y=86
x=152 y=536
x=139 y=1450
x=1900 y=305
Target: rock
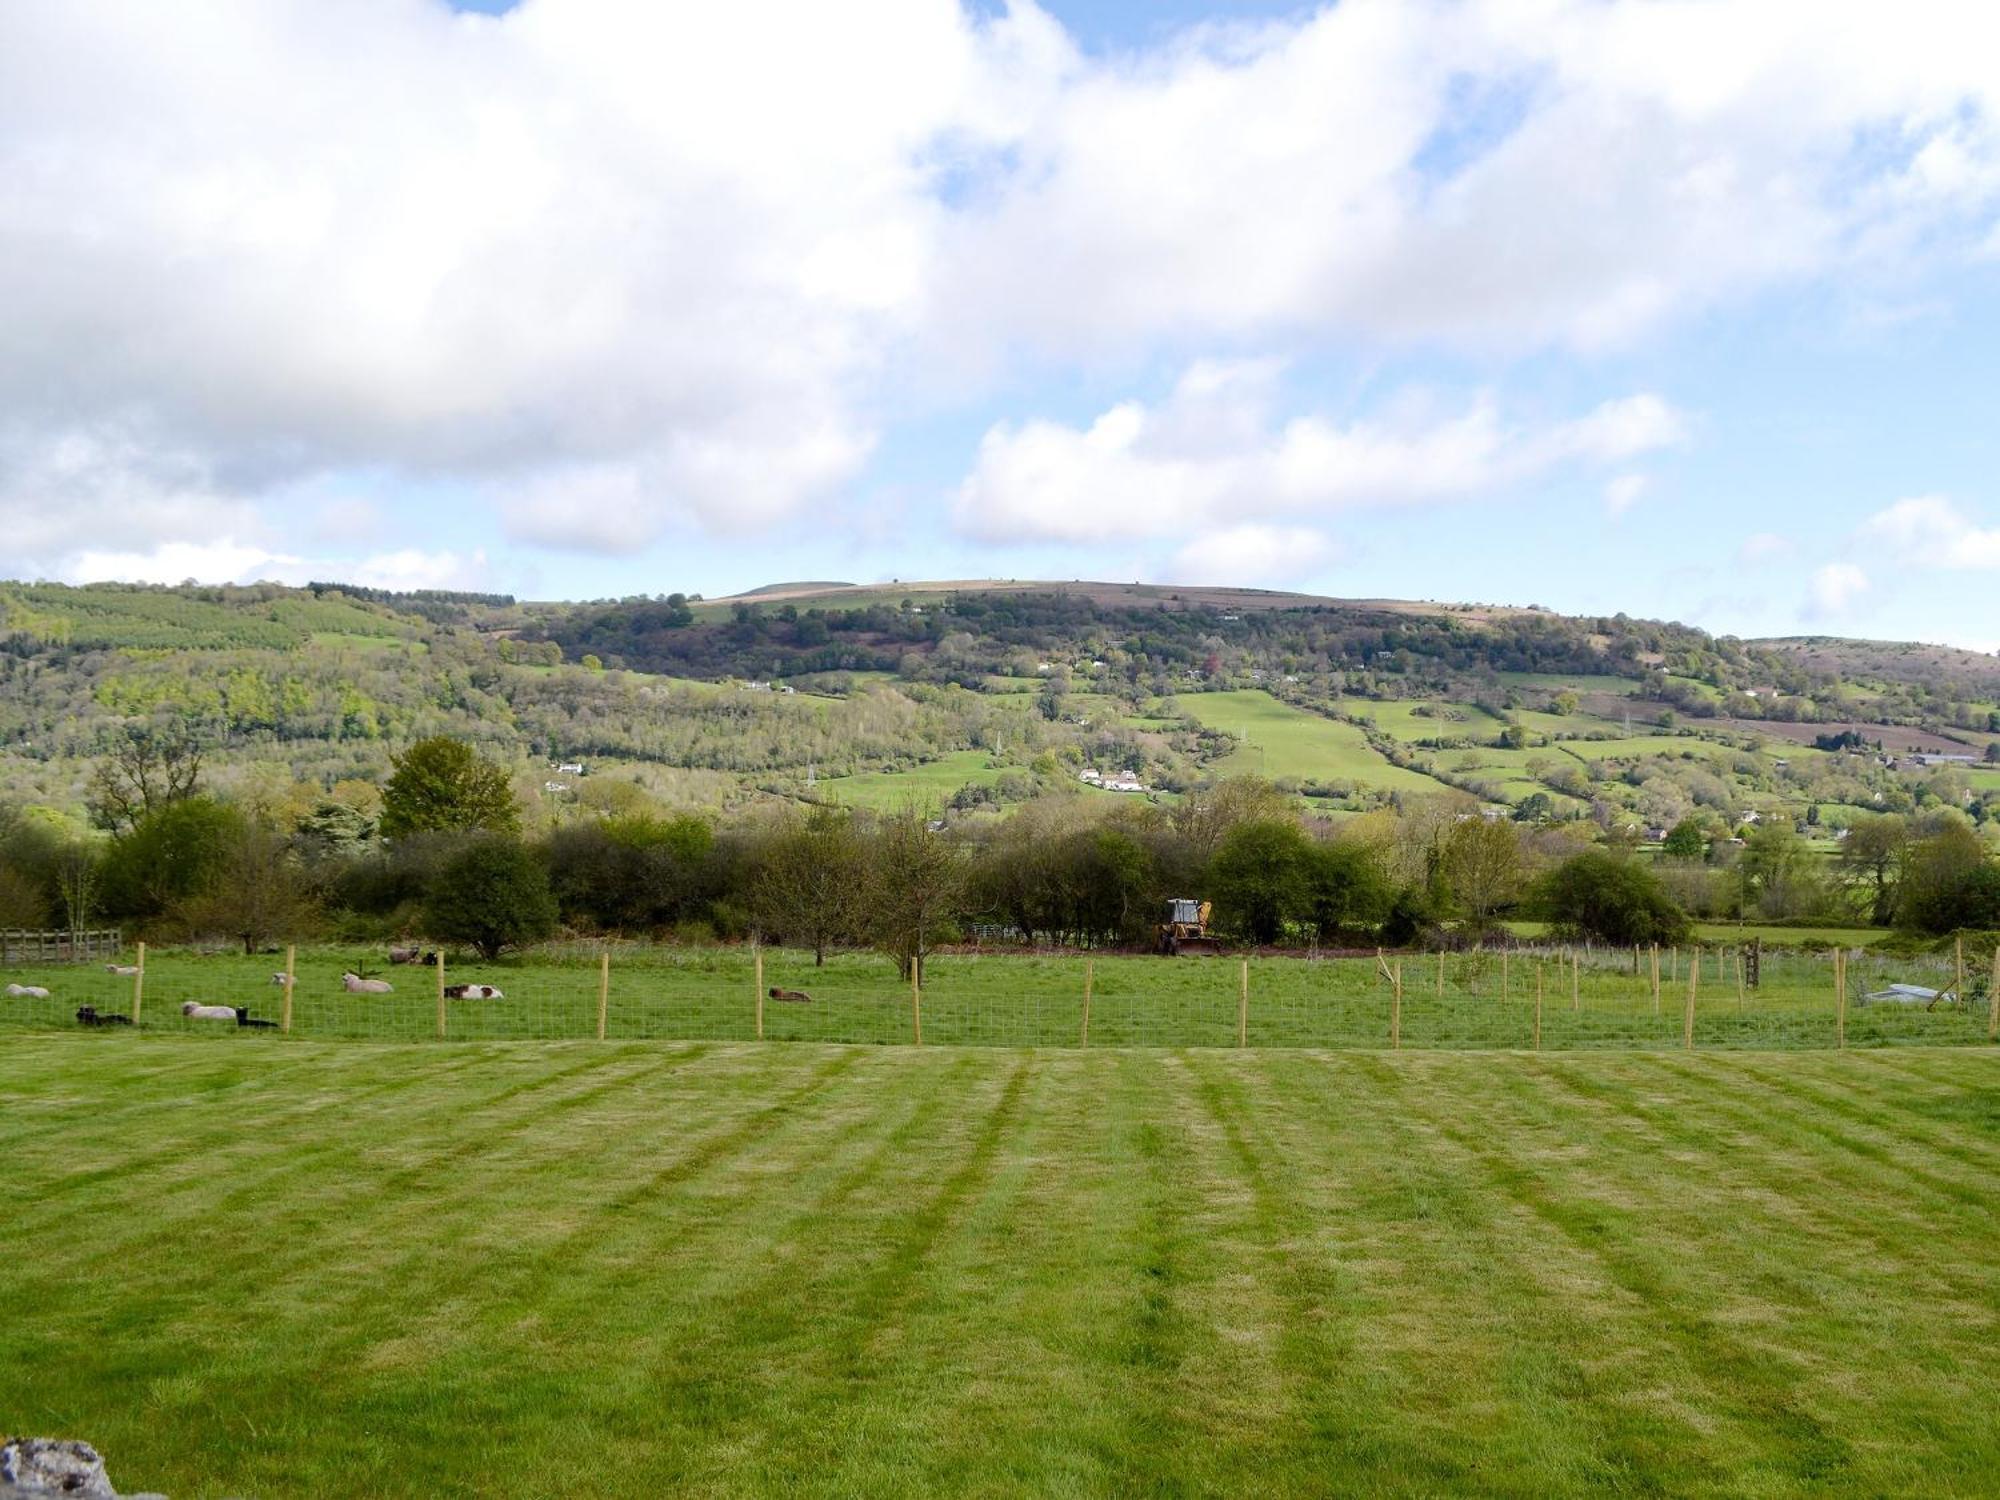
x=34 y=1468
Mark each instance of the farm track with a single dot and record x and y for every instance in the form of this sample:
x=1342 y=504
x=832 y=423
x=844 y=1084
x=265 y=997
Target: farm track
x=336 y=1269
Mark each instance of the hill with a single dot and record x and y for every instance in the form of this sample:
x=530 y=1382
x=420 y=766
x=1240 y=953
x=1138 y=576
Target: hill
x=982 y=693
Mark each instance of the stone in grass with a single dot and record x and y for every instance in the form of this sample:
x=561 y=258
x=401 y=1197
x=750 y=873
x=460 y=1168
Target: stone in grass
x=32 y=1468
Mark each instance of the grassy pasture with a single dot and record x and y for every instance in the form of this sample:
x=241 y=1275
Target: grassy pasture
x=1287 y=741
x=928 y=785
x=379 y=1270
x=1014 y=999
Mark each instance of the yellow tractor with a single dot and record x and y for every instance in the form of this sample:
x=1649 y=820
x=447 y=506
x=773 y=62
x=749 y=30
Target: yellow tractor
x=1186 y=929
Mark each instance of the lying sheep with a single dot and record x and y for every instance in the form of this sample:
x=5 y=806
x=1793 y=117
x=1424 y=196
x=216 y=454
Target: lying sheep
x=86 y=1015
x=472 y=992
x=244 y=1018
x=123 y=971
x=26 y=992
x=356 y=985
x=194 y=1010
x=799 y=997
x=280 y=977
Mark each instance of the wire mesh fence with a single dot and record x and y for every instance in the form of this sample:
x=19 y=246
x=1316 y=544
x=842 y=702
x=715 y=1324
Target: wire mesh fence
x=1549 y=999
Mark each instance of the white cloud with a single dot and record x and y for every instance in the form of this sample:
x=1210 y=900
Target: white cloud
x=1835 y=589
x=1252 y=555
x=1211 y=455
x=227 y=560
x=1624 y=492
x=698 y=257
x=1930 y=530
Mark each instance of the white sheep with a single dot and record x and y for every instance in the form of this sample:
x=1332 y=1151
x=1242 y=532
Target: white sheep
x=195 y=1011
x=280 y=977
x=27 y=992
x=124 y=971
x=356 y=985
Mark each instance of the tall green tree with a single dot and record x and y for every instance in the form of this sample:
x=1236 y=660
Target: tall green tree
x=917 y=875
x=1259 y=877
x=808 y=885
x=442 y=785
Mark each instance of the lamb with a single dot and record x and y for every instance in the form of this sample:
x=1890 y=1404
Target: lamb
x=86 y=1015
x=194 y=1010
x=799 y=997
x=26 y=992
x=244 y=1018
x=472 y=992
x=356 y=985
x=123 y=971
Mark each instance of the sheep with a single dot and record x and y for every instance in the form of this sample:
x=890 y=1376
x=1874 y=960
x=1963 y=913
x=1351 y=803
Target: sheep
x=26 y=992
x=123 y=971
x=86 y=1015
x=281 y=977
x=356 y=985
x=194 y=1010
x=413 y=955
x=799 y=997
x=244 y=1018
x=472 y=992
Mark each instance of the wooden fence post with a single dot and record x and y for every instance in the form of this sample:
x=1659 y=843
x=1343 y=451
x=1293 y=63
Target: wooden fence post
x=1503 y=976
x=1993 y=1001
x=1687 y=1012
x=1575 y=984
x=440 y=987
x=138 y=984
x=603 y=991
x=1396 y=1006
x=1739 y=979
x=1440 y=986
x=917 y=1000
x=1958 y=950
x=1840 y=998
x=757 y=982
x=1088 y=967
x=1656 y=979
x=1243 y=1005
x=1538 y=1005
x=291 y=977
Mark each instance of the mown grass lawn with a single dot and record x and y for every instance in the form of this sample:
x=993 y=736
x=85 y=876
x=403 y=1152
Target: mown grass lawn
x=638 y=1269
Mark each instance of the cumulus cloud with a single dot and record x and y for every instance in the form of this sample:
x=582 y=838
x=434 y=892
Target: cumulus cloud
x=694 y=260
x=1835 y=589
x=1932 y=531
x=1212 y=454
x=227 y=560
x=1253 y=555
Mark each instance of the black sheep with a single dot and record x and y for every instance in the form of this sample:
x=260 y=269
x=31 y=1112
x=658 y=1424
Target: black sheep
x=86 y=1015
x=244 y=1018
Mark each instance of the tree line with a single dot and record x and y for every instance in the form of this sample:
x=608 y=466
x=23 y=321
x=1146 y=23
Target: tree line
x=441 y=850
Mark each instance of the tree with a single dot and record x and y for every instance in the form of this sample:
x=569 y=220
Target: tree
x=1604 y=898
x=1685 y=840
x=443 y=785
x=916 y=876
x=1483 y=867
x=1943 y=884
x=1259 y=877
x=171 y=854
x=257 y=892
x=809 y=876
x=1870 y=863
x=1345 y=888
x=148 y=769
x=492 y=895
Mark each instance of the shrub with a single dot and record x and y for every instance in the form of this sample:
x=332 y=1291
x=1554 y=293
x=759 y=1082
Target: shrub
x=492 y=895
x=1603 y=898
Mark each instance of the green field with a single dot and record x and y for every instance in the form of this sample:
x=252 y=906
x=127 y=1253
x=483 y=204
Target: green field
x=1474 y=1000
x=1283 y=741
x=641 y=1269
x=928 y=785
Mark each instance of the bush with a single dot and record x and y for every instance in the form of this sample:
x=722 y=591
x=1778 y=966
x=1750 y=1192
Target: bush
x=492 y=895
x=1602 y=898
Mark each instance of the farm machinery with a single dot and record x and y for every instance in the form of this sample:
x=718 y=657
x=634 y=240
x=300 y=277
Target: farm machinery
x=1186 y=929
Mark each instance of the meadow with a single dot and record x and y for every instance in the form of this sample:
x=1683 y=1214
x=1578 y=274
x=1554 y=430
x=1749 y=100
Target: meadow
x=339 y=1269
x=1280 y=740
x=1487 y=1000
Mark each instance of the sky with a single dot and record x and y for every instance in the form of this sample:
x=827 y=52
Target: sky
x=1680 y=308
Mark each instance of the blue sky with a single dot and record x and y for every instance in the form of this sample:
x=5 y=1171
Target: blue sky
x=1682 y=310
